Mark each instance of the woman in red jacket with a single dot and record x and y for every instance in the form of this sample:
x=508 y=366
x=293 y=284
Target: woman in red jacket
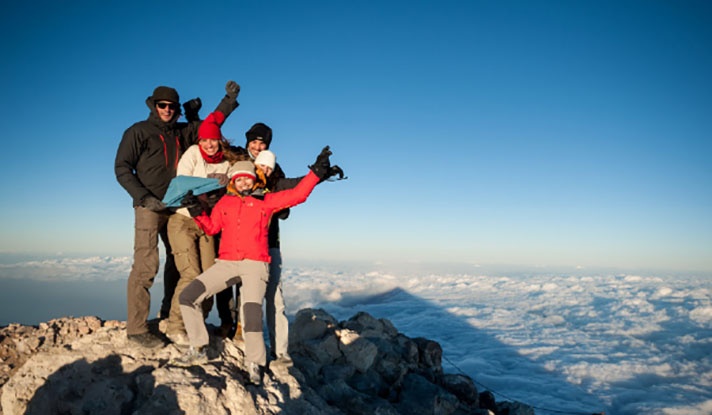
x=243 y=257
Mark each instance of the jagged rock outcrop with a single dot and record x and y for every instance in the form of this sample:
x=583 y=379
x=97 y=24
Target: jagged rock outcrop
x=359 y=366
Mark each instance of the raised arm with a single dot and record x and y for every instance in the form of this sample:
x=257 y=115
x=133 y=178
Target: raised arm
x=226 y=106
x=229 y=102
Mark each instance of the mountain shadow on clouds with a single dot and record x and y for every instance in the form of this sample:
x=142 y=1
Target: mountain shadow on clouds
x=102 y=387
x=493 y=365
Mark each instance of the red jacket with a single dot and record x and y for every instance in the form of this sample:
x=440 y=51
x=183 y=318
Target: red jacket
x=244 y=221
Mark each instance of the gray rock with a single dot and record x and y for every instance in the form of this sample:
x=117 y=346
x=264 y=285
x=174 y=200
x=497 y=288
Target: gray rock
x=362 y=365
x=461 y=386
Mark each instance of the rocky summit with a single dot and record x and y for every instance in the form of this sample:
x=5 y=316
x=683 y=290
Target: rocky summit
x=359 y=366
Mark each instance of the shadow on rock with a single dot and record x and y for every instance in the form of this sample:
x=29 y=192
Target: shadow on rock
x=102 y=387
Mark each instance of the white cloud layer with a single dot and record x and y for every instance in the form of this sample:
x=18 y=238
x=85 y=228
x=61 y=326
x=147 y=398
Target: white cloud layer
x=623 y=344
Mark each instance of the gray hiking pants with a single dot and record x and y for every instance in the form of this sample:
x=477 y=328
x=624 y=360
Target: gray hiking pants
x=254 y=276
x=277 y=323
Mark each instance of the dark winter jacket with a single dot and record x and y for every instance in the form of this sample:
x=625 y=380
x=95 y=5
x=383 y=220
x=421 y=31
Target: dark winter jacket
x=277 y=182
x=149 y=151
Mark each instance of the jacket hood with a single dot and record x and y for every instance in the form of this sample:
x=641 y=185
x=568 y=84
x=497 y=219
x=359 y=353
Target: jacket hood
x=154 y=118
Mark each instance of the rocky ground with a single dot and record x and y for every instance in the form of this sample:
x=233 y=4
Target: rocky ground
x=359 y=366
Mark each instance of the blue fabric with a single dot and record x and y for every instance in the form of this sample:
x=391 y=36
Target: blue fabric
x=180 y=185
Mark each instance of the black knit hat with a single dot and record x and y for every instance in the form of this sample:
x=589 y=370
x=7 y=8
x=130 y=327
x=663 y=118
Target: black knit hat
x=261 y=132
x=165 y=93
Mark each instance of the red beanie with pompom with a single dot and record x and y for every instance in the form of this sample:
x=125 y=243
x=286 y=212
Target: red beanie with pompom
x=210 y=127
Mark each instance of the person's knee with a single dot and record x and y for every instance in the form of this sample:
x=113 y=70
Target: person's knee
x=142 y=278
x=252 y=317
x=191 y=293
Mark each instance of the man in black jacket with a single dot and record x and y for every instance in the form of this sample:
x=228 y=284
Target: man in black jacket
x=146 y=161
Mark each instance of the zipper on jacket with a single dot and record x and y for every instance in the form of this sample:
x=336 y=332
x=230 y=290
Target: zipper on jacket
x=165 y=151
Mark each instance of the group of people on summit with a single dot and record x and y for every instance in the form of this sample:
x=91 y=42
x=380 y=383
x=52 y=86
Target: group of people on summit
x=228 y=236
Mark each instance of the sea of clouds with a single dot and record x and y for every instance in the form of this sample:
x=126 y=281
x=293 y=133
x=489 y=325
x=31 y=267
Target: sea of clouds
x=564 y=343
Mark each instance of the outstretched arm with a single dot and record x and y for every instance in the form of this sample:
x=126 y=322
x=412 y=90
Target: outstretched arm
x=288 y=198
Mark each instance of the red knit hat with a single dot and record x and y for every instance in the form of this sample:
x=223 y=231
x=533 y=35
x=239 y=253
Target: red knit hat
x=210 y=127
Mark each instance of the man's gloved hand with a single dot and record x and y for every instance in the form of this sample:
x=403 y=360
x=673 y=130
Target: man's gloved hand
x=232 y=89
x=191 y=108
x=153 y=204
x=191 y=202
x=322 y=165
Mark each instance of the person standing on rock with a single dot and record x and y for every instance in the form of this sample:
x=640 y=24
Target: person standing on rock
x=145 y=163
x=243 y=257
x=193 y=250
x=258 y=140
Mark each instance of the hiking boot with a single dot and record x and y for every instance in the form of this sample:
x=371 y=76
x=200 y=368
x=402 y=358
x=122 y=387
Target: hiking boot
x=178 y=338
x=255 y=372
x=147 y=340
x=283 y=361
x=224 y=331
x=193 y=357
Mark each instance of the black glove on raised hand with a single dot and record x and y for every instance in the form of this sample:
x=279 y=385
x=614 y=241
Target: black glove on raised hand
x=153 y=204
x=191 y=108
x=336 y=171
x=191 y=202
x=322 y=165
x=232 y=89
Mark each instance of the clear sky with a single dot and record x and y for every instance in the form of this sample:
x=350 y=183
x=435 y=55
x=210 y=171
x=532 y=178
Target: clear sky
x=554 y=133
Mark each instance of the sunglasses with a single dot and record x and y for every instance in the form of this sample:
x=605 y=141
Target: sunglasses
x=171 y=105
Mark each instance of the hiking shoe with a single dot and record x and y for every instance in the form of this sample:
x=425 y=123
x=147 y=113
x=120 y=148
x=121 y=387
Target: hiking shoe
x=284 y=361
x=193 y=357
x=178 y=338
x=255 y=372
x=224 y=331
x=147 y=340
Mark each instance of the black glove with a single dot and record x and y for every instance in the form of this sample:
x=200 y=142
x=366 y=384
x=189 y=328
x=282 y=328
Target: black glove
x=322 y=165
x=211 y=198
x=336 y=171
x=191 y=108
x=191 y=202
x=153 y=204
x=233 y=89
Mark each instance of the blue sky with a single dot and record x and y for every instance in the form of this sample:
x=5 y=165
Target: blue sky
x=535 y=134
